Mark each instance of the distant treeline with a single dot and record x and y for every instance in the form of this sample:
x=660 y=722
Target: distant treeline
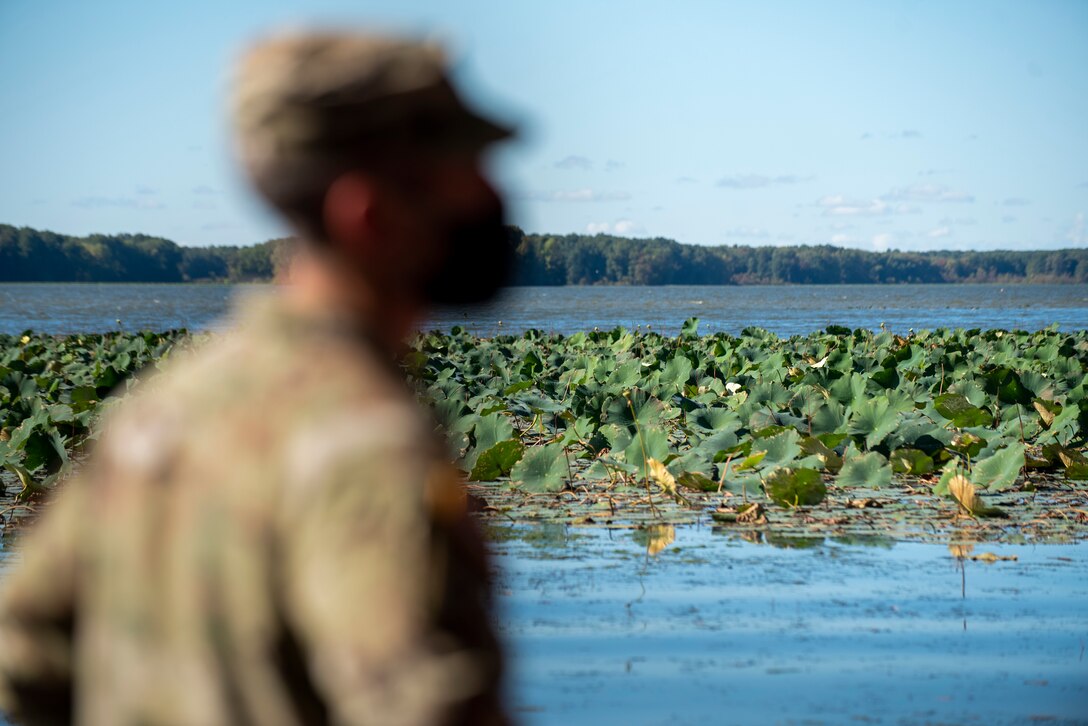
x=601 y=259
x=30 y=255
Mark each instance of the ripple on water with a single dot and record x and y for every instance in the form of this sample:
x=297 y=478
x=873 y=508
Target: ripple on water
x=715 y=629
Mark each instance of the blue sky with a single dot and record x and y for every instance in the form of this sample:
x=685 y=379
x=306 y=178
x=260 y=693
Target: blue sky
x=902 y=125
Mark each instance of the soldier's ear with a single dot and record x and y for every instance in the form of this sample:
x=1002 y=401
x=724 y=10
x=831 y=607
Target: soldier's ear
x=350 y=213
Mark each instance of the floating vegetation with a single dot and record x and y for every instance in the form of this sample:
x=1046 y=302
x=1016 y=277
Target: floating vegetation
x=849 y=431
x=844 y=432
x=53 y=388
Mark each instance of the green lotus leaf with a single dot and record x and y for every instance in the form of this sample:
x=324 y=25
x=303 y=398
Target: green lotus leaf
x=870 y=470
x=886 y=377
x=491 y=429
x=531 y=365
x=696 y=481
x=828 y=459
x=1007 y=385
x=911 y=461
x=497 y=461
x=831 y=440
x=540 y=404
x=779 y=449
x=675 y=373
x=541 y=469
x=874 y=419
x=716 y=443
x=750 y=461
x=961 y=412
x=848 y=390
x=715 y=419
x=616 y=437
x=626 y=375
x=83 y=398
x=648 y=443
x=1064 y=427
x=968 y=443
x=517 y=387
x=636 y=408
x=795 y=487
x=999 y=471
x=690 y=329
x=766 y=431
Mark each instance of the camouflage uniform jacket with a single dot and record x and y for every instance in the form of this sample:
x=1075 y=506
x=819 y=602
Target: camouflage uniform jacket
x=264 y=535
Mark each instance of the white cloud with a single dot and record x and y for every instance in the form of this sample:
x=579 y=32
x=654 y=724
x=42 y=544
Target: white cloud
x=927 y=193
x=574 y=195
x=756 y=181
x=1014 y=202
x=882 y=241
x=842 y=239
x=625 y=227
x=836 y=205
x=1076 y=233
x=939 y=232
x=574 y=161
x=958 y=221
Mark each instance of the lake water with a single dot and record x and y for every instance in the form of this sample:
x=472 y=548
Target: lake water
x=716 y=629
x=786 y=310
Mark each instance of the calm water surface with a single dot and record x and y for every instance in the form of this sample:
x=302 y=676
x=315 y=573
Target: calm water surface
x=786 y=310
x=718 y=630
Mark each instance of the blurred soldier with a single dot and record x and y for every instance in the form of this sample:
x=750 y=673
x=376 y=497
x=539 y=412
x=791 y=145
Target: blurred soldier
x=267 y=533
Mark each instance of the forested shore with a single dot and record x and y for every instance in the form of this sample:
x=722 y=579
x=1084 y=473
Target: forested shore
x=30 y=255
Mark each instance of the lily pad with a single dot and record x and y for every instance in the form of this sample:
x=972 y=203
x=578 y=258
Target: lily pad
x=869 y=470
x=497 y=461
x=999 y=471
x=911 y=461
x=541 y=469
x=962 y=413
x=795 y=487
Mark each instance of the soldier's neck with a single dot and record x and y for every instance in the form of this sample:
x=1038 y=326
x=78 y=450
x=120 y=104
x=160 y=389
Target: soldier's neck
x=317 y=286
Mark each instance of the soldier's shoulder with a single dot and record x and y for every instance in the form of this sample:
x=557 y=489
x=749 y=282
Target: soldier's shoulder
x=263 y=381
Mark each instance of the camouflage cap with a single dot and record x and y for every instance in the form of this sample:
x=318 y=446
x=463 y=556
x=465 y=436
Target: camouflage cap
x=307 y=102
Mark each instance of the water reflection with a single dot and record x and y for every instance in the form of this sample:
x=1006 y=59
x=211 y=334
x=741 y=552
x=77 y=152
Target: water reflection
x=711 y=624
x=655 y=538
